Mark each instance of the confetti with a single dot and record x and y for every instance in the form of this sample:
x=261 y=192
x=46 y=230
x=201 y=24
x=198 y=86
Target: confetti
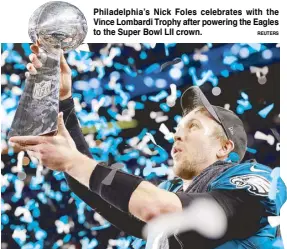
x=152 y=139
x=171 y=99
x=264 y=112
x=216 y=91
x=268 y=138
x=260 y=73
x=110 y=89
x=274 y=221
x=161 y=95
x=167 y=134
x=275 y=174
x=267 y=54
x=278 y=147
x=197 y=216
x=19 y=235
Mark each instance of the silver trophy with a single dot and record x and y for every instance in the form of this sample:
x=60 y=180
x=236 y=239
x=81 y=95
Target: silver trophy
x=55 y=26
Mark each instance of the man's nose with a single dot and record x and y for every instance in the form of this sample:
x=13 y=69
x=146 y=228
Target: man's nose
x=178 y=135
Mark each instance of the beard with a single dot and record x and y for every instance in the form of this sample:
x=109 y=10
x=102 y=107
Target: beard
x=188 y=167
x=184 y=170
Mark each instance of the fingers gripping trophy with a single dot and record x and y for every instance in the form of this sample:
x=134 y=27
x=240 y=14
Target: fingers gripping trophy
x=56 y=27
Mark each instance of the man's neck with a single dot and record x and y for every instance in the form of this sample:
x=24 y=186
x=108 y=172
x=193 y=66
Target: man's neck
x=205 y=165
x=186 y=183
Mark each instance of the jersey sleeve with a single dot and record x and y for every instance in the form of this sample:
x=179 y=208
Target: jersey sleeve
x=256 y=180
x=243 y=213
x=243 y=192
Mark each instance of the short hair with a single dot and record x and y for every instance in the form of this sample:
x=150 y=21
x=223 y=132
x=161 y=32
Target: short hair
x=218 y=132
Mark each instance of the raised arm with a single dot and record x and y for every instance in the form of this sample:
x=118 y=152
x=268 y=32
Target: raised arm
x=119 y=219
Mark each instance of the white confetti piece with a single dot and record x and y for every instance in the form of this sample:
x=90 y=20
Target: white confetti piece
x=274 y=221
x=20 y=234
x=167 y=134
x=83 y=47
x=268 y=138
x=152 y=139
x=278 y=147
x=171 y=99
x=161 y=119
x=204 y=216
x=260 y=73
x=27 y=217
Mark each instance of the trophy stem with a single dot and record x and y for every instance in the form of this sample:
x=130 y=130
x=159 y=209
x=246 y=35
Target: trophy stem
x=38 y=108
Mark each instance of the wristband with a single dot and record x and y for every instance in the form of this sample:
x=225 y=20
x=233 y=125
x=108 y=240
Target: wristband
x=114 y=186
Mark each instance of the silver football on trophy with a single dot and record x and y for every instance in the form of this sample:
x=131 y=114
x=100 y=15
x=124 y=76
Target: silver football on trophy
x=53 y=26
x=57 y=25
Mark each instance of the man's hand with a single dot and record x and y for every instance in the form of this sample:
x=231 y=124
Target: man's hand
x=65 y=77
x=55 y=152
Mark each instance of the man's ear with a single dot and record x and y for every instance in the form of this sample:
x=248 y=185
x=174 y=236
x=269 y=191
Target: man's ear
x=225 y=149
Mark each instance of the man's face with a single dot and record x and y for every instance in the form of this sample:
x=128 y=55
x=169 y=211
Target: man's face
x=194 y=144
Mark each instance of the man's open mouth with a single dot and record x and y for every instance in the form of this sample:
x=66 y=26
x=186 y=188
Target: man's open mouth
x=176 y=150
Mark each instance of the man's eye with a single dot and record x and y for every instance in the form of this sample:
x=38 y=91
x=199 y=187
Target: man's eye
x=192 y=125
